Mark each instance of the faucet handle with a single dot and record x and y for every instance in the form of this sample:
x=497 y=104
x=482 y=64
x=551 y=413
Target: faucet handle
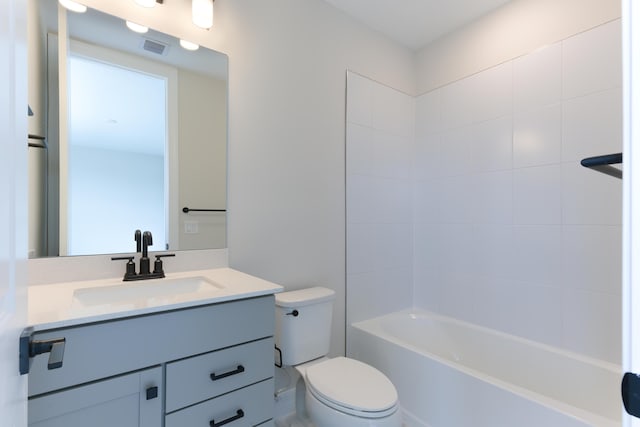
x=138 y=238
x=157 y=264
x=130 y=272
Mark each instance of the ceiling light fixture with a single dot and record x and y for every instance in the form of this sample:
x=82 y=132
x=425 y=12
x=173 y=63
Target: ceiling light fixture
x=189 y=45
x=137 y=27
x=73 y=6
x=202 y=13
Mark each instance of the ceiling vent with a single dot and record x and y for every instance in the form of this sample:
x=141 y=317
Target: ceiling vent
x=155 y=47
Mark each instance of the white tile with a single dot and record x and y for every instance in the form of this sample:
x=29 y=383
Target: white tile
x=456 y=199
x=391 y=155
x=492 y=197
x=361 y=199
x=429 y=113
x=540 y=314
x=494 y=92
x=377 y=293
x=537 y=257
x=393 y=111
x=530 y=311
x=592 y=324
x=426 y=165
x=426 y=202
x=537 y=137
x=592 y=258
x=454 y=155
x=391 y=200
x=590 y=197
x=427 y=257
x=426 y=292
x=457 y=296
x=458 y=108
x=393 y=246
x=537 y=78
x=491 y=143
x=360 y=248
x=456 y=246
x=363 y=298
x=359 y=99
x=537 y=194
x=592 y=61
x=482 y=96
x=359 y=152
x=592 y=125
x=494 y=252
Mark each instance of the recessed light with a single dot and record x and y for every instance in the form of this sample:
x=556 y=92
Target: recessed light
x=137 y=27
x=189 y=45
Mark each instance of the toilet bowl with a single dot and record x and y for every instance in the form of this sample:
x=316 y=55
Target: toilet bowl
x=346 y=392
x=338 y=392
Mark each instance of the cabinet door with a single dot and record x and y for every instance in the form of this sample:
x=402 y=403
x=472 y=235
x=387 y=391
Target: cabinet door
x=127 y=401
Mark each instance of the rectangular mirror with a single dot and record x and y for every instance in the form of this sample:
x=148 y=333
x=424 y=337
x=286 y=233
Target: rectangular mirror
x=126 y=131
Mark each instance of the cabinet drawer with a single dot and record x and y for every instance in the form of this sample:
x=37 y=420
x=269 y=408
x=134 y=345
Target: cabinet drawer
x=101 y=350
x=255 y=402
x=202 y=377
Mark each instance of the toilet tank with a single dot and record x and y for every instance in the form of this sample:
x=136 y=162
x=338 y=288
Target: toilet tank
x=303 y=324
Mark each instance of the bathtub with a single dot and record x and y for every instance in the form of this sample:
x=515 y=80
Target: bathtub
x=454 y=374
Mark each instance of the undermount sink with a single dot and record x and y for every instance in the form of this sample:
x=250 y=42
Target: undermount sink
x=150 y=292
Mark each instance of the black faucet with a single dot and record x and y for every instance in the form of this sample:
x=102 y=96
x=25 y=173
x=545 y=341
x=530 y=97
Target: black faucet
x=143 y=241
x=147 y=240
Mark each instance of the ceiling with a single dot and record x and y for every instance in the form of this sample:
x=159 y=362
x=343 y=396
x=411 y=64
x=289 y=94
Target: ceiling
x=416 y=23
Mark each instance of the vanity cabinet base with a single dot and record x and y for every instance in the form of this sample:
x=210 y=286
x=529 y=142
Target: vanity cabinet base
x=121 y=401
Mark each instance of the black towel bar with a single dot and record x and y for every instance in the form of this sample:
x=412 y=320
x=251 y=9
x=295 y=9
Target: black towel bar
x=187 y=210
x=603 y=164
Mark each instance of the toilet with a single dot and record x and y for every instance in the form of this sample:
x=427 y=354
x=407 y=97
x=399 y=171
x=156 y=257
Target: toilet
x=330 y=392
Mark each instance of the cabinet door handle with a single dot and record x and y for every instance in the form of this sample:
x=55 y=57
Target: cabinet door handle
x=152 y=393
x=238 y=370
x=239 y=414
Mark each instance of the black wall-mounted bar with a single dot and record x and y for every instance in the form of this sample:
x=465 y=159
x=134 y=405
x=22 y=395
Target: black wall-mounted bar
x=42 y=144
x=603 y=164
x=187 y=210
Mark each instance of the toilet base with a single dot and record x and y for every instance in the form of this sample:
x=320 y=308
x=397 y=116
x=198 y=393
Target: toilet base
x=292 y=420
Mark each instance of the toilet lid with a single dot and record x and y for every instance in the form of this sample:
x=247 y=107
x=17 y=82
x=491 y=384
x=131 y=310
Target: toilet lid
x=351 y=385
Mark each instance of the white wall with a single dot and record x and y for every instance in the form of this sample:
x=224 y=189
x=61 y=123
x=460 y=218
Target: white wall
x=510 y=231
x=13 y=208
x=202 y=112
x=37 y=157
x=287 y=63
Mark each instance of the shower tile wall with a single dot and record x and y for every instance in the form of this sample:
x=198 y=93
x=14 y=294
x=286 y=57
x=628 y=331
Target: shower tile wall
x=510 y=231
x=380 y=135
x=480 y=209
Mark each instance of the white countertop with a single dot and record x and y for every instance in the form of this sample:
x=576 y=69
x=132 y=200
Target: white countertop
x=73 y=303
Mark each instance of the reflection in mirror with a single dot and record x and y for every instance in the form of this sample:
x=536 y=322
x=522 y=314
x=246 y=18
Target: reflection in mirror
x=135 y=129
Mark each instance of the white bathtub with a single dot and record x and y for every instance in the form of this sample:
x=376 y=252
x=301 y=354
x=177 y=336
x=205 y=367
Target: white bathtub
x=454 y=374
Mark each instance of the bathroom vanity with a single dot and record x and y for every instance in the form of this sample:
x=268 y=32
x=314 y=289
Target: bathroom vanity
x=202 y=355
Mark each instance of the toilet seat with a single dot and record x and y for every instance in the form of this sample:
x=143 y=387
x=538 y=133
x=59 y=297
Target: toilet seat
x=352 y=387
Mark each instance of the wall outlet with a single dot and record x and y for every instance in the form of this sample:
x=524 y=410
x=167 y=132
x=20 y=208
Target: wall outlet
x=190 y=227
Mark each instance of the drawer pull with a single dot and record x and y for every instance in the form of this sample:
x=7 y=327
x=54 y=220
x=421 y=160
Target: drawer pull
x=238 y=370
x=239 y=414
x=152 y=393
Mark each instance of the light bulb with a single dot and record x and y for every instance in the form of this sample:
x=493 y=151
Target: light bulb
x=189 y=45
x=146 y=3
x=137 y=27
x=202 y=13
x=73 y=6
